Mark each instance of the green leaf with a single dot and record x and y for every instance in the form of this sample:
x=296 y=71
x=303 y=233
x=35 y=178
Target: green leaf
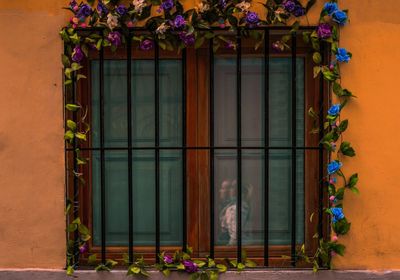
x=347 y=150
x=317 y=58
x=71 y=125
x=199 y=263
x=92 y=259
x=72 y=227
x=240 y=266
x=250 y=263
x=338 y=248
x=83 y=229
x=81 y=136
x=233 y=263
x=80 y=76
x=69 y=135
x=70 y=270
x=317 y=70
x=180 y=267
x=135 y=270
x=65 y=60
x=213 y=275
x=343 y=125
x=194 y=276
x=102 y=267
x=72 y=107
x=144 y=272
x=75 y=66
x=341 y=227
x=355 y=190
x=353 y=180
x=222 y=268
x=166 y=272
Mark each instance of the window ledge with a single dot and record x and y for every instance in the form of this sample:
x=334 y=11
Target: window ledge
x=56 y=274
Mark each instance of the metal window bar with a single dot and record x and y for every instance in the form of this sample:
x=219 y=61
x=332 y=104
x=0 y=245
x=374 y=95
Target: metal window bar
x=294 y=153
x=130 y=168
x=211 y=148
x=239 y=143
x=266 y=144
x=184 y=179
x=102 y=158
x=157 y=145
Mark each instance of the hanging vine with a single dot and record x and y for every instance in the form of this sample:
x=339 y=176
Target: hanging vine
x=106 y=24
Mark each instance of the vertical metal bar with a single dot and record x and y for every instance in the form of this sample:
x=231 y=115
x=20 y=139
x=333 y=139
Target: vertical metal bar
x=157 y=145
x=102 y=159
x=130 y=168
x=294 y=138
x=76 y=181
x=184 y=193
x=239 y=143
x=321 y=149
x=211 y=120
x=266 y=144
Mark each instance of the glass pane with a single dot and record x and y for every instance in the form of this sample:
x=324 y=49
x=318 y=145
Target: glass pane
x=225 y=186
x=253 y=160
x=116 y=163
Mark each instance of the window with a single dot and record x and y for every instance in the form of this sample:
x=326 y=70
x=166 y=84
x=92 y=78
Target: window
x=177 y=144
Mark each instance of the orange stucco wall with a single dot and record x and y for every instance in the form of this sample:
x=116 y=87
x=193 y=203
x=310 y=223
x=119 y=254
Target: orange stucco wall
x=31 y=134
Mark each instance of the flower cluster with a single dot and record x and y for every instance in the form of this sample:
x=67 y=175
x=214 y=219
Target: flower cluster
x=294 y=7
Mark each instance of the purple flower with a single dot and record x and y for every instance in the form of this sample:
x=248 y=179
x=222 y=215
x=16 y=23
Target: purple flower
x=73 y=4
x=289 y=5
x=121 y=10
x=179 y=21
x=230 y=45
x=278 y=46
x=167 y=5
x=324 y=31
x=147 y=45
x=101 y=8
x=83 y=248
x=168 y=259
x=299 y=11
x=84 y=11
x=77 y=54
x=114 y=38
x=190 y=266
x=222 y=3
x=252 y=18
x=187 y=39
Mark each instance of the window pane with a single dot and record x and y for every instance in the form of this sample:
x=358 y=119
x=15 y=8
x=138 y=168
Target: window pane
x=116 y=163
x=253 y=160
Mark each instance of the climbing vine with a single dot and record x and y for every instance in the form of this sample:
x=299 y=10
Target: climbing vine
x=106 y=24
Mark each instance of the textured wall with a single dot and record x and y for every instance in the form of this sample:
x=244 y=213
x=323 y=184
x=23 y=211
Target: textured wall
x=31 y=144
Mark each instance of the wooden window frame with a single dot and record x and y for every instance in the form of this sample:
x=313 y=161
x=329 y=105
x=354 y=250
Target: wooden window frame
x=197 y=63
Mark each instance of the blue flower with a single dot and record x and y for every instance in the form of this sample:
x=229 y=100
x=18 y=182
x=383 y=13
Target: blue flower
x=339 y=17
x=334 y=166
x=334 y=110
x=330 y=8
x=342 y=55
x=337 y=214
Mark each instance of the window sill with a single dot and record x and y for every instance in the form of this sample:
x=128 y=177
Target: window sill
x=272 y=274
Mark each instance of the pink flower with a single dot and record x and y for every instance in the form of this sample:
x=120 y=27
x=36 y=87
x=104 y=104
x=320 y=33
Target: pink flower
x=129 y=24
x=332 y=198
x=334 y=238
x=333 y=254
x=83 y=25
